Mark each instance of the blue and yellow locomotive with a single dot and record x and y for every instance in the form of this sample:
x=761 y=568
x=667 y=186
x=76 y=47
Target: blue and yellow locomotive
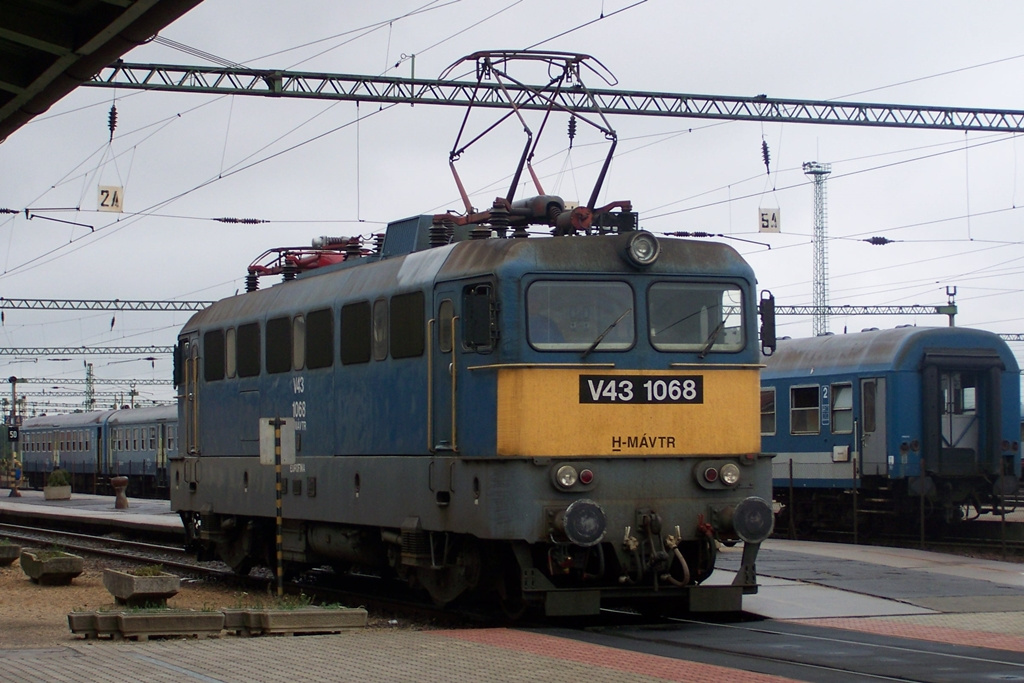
x=562 y=422
x=892 y=414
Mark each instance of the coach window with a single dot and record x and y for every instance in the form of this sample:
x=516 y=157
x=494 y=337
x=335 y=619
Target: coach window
x=230 y=364
x=867 y=389
x=213 y=355
x=355 y=333
x=803 y=410
x=380 y=329
x=279 y=345
x=152 y=438
x=319 y=336
x=247 y=349
x=842 y=408
x=692 y=316
x=768 y=411
x=445 y=313
x=408 y=320
x=573 y=315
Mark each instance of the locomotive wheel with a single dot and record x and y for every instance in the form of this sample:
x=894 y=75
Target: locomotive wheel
x=451 y=581
x=236 y=551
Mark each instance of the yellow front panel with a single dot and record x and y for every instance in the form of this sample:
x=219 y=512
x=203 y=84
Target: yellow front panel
x=540 y=414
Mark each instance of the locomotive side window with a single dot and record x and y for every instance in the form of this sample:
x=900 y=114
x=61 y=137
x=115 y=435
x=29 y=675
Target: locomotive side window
x=565 y=315
x=213 y=355
x=279 y=345
x=408 y=322
x=355 y=333
x=247 y=349
x=842 y=408
x=479 y=328
x=298 y=342
x=230 y=355
x=690 y=316
x=803 y=410
x=768 y=411
x=320 y=339
x=445 y=314
x=380 y=329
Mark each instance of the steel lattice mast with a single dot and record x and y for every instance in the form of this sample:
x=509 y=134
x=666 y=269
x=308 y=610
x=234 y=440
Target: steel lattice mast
x=819 y=172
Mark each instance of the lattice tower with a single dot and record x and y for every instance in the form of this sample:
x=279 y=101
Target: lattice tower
x=819 y=172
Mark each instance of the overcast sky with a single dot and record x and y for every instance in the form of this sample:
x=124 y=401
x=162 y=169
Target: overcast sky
x=950 y=199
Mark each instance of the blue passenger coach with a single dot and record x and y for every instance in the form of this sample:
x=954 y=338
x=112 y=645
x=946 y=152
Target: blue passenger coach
x=96 y=445
x=892 y=413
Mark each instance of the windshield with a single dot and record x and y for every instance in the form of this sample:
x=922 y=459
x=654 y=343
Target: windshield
x=573 y=316
x=691 y=316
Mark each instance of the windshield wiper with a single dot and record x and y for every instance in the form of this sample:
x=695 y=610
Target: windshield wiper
x=600 y=337
x=710 y=341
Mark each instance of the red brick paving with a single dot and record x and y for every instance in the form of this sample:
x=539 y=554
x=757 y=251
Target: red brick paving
x=638 y=663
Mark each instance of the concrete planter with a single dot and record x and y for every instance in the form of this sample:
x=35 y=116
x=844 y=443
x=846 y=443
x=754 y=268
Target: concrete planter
x=9 y=552
x=305 y=620
x=129 y=589
x=94 y=624
x=57 y=492
x=51 y=568
x=144 y=624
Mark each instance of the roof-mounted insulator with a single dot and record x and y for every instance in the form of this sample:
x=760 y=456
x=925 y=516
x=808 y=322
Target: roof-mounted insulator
x=378 y=242
x=440 y=234
x=252 y=282
x=112 y=120
x=353 y=248
x=766 y=156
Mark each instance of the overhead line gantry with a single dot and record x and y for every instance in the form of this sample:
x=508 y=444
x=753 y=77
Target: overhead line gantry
x=396 y=90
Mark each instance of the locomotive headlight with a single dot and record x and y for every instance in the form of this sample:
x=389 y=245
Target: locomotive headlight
x=566 y=476
x=730 y=474
x=642 y=249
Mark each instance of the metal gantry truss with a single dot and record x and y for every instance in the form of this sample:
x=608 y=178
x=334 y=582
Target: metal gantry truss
x=95 y=380
x=100 y=305
x=395 y=90
x=84 y=350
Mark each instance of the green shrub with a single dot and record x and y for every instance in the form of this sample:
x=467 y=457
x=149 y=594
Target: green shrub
x=148 y=570
x=59 y=478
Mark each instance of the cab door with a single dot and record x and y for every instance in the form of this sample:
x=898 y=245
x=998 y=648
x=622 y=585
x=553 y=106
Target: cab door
x=442 y=428
x=188 y=399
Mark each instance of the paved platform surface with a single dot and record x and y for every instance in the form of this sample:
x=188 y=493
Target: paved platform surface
x=885 y=591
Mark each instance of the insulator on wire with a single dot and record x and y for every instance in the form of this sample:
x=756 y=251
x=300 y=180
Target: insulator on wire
x=879 y=241
x=112 y=120
x=572 y=130
x=9 y=211
x=766 y=156
x=244 y=221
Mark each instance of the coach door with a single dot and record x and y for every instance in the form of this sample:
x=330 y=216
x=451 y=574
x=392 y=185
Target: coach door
x=872 y=429
x=189 y=397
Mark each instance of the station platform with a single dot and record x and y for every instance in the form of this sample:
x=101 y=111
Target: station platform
x=889 y=592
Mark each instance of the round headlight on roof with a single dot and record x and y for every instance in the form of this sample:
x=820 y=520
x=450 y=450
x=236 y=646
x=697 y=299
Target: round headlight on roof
x=642 y=248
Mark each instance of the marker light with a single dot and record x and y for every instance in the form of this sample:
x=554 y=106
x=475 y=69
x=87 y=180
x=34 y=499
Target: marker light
x=586 y=476
x=642 y=249
x=710 y=474
x=730 y=474
x=566 y=476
